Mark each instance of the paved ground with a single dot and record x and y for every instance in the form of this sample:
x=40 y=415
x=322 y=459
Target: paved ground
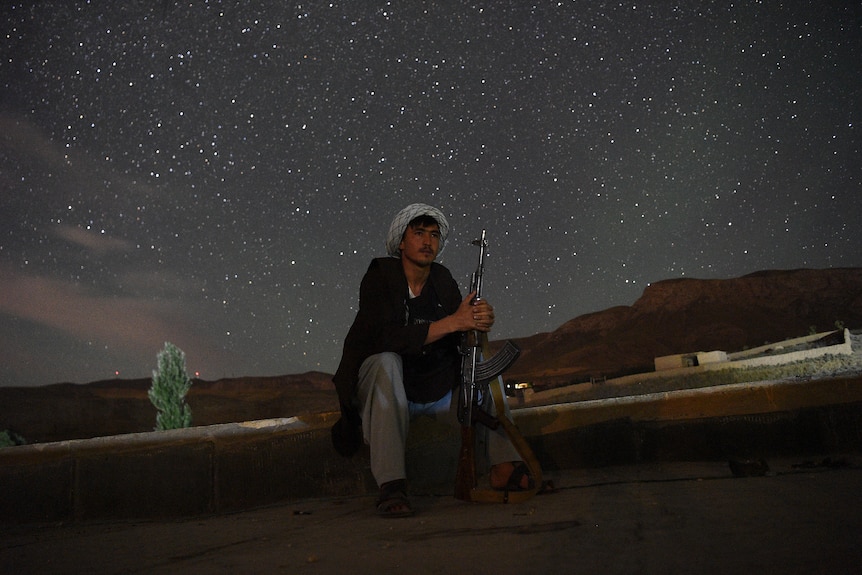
x=667 y=518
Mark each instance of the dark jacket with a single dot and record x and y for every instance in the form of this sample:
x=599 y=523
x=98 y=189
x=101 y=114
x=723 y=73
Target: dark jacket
x=381 y=325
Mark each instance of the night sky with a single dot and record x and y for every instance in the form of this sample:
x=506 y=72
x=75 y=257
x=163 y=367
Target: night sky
x=219 y=174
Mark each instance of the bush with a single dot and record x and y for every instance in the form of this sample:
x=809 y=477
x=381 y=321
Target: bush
x=9 y=438
x=169 y=388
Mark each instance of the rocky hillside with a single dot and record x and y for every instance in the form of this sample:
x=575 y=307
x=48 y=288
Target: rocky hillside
x=686 y=315
x=112 y=407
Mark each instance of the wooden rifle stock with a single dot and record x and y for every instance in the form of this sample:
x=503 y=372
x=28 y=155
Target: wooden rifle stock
x=465 y=477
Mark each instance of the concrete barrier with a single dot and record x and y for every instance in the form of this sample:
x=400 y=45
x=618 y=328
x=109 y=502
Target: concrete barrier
x=223 y=468
x=181 y=472
x=738 y=360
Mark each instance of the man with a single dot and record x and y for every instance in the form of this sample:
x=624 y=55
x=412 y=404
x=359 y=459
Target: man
x=401 y=357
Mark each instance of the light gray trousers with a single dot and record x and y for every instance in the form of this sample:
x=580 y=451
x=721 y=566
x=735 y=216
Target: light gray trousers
x=386 y=415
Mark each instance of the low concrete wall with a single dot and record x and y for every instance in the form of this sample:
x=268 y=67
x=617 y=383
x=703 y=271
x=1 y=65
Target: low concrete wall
x=224 y=468
x=175 y=473
x=748 y=353
x=738 y=360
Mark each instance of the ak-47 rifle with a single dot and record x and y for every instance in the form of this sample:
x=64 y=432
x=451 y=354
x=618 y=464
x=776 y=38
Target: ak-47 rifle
x=476 y=386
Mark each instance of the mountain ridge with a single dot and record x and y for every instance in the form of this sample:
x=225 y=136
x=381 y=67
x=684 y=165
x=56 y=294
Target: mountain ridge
x=687 y=314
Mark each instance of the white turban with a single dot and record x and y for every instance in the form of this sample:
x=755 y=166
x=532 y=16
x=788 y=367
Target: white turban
x=407 y=215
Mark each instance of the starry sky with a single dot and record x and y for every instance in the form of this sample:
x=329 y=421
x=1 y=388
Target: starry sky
x=218 y=174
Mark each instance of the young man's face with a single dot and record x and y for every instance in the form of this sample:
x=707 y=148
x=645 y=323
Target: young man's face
x=420 y=244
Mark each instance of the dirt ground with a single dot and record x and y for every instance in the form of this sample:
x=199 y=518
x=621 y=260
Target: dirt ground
x=695 y=517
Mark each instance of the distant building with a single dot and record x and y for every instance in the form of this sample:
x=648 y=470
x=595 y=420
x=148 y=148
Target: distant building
x=517 y=389
x=689 y=359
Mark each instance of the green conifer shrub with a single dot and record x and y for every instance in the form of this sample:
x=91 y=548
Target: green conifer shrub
x=169 y=388
x=9 y=438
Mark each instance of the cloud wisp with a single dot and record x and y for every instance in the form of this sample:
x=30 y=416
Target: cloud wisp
x=133 y=328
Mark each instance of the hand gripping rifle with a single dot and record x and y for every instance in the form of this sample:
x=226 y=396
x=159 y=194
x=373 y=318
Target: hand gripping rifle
x=480 y=379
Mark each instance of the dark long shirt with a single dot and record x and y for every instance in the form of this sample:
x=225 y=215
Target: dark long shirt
x=382 y=323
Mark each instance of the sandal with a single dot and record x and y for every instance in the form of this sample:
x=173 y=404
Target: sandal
x=393 y=500
x=519 y=471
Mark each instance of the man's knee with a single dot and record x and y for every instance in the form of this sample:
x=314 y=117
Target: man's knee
x=386 y=361
x=382 y=370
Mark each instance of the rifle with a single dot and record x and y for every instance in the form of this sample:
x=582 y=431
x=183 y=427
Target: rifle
x=476 y=386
